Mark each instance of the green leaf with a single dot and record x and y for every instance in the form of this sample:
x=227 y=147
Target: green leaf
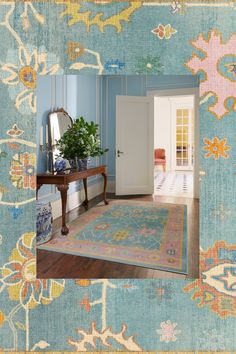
x=81 y=140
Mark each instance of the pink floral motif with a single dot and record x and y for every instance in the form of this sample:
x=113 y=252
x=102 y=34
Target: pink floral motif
x=216 y=83
x=147 y=232
x=168 y=332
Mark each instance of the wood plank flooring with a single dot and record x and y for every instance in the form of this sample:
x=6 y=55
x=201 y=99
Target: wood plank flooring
x=58 y=265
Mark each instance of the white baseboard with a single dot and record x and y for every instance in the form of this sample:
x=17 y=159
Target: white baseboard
x=75 y=200
x=111 y=186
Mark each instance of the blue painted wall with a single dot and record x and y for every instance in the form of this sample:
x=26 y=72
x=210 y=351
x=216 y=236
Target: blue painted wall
x=79 y=95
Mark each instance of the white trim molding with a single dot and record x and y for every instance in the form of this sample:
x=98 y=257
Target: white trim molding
x=75 y=199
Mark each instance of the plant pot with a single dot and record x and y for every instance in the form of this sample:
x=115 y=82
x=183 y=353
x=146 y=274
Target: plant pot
x=73 y=164
x=79 y=164
x=82 y=164
x=60 y=164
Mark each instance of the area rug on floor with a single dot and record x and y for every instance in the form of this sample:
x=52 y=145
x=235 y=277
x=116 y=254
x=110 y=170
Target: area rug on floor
x=145 y=234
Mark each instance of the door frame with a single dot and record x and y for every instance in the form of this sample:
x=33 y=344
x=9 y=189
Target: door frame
x=187 y=91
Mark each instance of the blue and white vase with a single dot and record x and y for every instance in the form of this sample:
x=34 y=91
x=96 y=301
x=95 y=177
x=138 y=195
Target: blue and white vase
x=79 y=164
x=60 y=164
x=44 y=222
x=83 y=164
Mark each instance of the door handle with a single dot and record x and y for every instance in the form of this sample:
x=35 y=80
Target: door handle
x=119 y=152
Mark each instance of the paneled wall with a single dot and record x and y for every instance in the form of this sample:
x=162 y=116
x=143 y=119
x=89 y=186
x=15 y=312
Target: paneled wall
x=79 y=95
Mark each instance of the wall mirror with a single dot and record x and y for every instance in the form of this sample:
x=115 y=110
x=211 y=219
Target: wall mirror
x=58 y=123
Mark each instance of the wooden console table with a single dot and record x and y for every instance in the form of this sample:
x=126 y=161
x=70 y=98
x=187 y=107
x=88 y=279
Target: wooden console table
x=62 y=181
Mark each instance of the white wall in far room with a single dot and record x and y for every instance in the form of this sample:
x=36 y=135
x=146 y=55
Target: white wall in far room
x=162 y=127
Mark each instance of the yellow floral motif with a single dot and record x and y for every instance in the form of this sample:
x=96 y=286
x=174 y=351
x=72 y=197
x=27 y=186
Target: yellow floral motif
x=19 y=276
x=73 y=10
x=74 y=50
x=27 y=76
x=2 y=318
x=120 y=235
x=138 y=213
x=2 y=190
x=216 y=148
x=135 y=211
x=103 y=226
x=83 y=282
x=117 y=213
x=21 y=70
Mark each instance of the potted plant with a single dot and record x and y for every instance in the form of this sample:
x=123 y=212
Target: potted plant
x=80 y=142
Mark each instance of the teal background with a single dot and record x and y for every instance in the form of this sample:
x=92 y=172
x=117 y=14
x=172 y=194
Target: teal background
x=139 y=306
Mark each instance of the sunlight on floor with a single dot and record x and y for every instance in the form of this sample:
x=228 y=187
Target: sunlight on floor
x=173 y=183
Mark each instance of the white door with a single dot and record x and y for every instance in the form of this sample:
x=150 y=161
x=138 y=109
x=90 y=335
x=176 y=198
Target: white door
x=134 y=145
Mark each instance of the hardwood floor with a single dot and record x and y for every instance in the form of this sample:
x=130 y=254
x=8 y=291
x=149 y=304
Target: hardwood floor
x=58 y=265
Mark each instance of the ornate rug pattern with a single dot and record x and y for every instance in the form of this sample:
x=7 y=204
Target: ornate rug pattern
x=140 y=233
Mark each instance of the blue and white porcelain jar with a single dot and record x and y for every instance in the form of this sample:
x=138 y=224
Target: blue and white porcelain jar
x=60 y=164
x=44 y=222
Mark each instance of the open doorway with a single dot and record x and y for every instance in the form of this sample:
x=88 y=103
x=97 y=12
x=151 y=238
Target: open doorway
x=176 y=144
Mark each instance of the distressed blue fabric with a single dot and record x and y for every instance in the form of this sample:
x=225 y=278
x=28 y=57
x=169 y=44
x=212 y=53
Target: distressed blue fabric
x=43 y=38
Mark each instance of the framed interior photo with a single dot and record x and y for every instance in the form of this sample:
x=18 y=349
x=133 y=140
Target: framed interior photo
x=130 y=208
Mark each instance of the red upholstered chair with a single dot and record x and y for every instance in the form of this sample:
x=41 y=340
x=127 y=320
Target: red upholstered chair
x=160 y=158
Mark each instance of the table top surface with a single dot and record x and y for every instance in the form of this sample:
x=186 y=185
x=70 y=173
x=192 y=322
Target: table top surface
x=73 y=172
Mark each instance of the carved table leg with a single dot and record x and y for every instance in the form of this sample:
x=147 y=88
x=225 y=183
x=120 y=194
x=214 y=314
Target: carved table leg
x=105 y=187
x=85 y=202
x=37 y=189
x=63 y=188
